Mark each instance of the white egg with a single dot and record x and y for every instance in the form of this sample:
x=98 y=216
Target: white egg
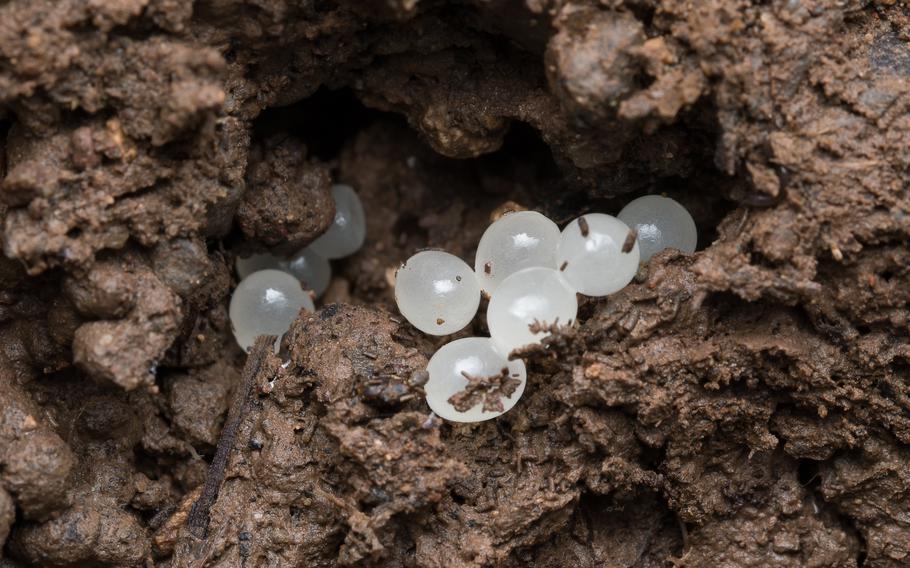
x=514 y=242
x=533 y=294
x=437 y=292
x=661 y=223
x=476 y=358
x=313 y=271
x=260 y=261
x=266 y=303
x=346 y=234
x=590 y=255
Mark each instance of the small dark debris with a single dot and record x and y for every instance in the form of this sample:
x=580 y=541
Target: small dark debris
x=328 y=312
x=629 y=243
x=488 y=390
x=430 y=422
x=538 y=326
x=583 y=225
x=419 y=378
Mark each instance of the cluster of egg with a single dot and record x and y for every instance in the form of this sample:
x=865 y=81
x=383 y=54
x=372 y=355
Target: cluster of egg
x=273 y=289
x=531 y=272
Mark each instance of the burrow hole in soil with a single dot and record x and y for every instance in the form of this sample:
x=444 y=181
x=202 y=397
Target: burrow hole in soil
x=329 y=120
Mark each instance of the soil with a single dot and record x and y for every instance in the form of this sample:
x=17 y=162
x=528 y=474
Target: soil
x=748 y=405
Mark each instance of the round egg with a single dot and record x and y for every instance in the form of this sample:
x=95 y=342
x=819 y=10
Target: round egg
x=661 y=223
x=498 y=383
x=590 y=255
x=266 y=303
x=437 y=292
x=313 y=271
x=247 y=265
x=346 y=234
x=516 y=241
x=531 y=295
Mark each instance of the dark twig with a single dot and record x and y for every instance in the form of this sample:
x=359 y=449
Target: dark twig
x=198 y=520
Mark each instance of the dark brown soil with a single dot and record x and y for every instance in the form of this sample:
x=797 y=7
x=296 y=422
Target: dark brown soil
x=745 y=406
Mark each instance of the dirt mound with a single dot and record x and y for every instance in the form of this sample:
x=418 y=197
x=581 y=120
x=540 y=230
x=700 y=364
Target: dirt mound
x=745 y=406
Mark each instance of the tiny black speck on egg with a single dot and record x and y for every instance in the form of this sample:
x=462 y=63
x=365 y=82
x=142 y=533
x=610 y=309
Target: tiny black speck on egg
x=458 y=278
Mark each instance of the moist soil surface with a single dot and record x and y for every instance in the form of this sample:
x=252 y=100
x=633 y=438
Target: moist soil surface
x=748 y=405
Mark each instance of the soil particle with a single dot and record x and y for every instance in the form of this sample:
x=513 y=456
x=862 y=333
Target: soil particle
x=95 y=531
x=487 y=390
x=204 y=289
x=287 y=203
x=589 y=60
x=183 y=265
x=35 y=463
x=125 y=351
x=629 y=243
x=199 y=401
x=107 y=291
x=583 y=226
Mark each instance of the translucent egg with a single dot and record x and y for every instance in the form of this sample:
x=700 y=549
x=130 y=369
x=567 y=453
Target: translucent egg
x=348 y=231
x=533 y=294
x=661 y=223
x=313 y=271
x=514 y=242
x=263 y=261
x=476 y=358
x=590 y=255
x=437 y=292
x=266 y=303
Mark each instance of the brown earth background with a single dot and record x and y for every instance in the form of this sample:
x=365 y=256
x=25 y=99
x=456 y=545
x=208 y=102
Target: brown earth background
x=745 y=406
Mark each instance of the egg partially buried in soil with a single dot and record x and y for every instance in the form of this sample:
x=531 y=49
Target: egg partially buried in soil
x=470 y=381
x=266 y=303
x=313 y=271
x=661 y=223
x=531 y=295
x=348 y=230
